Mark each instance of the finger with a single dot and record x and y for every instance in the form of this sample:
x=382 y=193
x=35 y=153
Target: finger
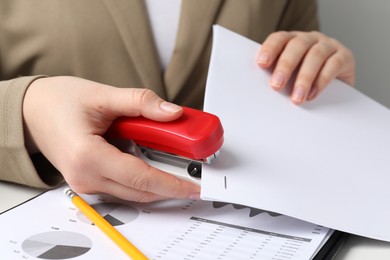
x=347 y=74
x=331 y=70
x=132 y=172
x=99 y=184
x=272 y=47
x=313 y=92
x=137 y=102
x=124 y=192
x=290 y=58
x=310 y=68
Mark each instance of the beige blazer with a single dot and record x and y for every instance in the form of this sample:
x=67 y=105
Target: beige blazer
x=110 y=41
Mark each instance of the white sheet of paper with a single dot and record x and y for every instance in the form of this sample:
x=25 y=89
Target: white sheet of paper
x=325 y=162
x=50 y=227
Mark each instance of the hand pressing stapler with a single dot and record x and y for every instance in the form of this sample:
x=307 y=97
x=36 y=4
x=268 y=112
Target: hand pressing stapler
x=179 y=147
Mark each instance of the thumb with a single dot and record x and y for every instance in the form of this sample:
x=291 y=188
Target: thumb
x=141 y=102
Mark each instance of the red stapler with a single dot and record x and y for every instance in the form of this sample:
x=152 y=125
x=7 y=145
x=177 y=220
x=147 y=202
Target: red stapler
x=178 y=147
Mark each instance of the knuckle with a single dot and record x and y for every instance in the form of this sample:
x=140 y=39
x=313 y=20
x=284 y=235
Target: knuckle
x=275 y=39
x=140 y=181
x=279 y=35
x=146 y=95
x=304 y=79
x=142 y=96
x=316 y=34
x=302 y=42
x=285 y=64
x=337 y=62
x=323 y=80
x=320 y=52
x=312 y=37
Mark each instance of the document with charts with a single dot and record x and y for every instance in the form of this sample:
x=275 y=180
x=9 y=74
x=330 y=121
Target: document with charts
x=50 y=227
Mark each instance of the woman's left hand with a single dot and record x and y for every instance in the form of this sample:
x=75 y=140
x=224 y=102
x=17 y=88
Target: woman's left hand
x=316 y=58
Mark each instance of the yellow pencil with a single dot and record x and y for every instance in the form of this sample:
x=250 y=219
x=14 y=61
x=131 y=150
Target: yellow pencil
x=105 y=226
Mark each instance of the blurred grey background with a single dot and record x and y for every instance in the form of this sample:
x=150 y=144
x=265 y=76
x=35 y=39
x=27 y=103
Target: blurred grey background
x=364 y=27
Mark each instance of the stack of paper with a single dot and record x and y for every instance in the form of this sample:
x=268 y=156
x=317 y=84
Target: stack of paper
x=325 y=162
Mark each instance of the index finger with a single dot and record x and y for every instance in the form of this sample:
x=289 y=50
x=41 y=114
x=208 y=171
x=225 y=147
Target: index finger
x=272 y=47
x=136 y=174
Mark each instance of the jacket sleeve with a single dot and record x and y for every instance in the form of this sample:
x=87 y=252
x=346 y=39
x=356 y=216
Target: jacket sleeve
x=16 y=165
x=299 y=15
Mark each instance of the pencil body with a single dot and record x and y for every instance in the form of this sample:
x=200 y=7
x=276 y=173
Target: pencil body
x=106 y=227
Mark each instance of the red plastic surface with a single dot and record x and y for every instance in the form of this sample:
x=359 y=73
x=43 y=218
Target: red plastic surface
x=195 y=135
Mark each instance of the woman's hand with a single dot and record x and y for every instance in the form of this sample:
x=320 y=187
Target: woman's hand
x=316 y=58
x=65 y=118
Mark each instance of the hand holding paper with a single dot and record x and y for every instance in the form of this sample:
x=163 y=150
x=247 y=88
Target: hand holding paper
x=315 y=58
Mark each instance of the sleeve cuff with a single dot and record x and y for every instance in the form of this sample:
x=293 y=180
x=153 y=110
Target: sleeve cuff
x=16 y=164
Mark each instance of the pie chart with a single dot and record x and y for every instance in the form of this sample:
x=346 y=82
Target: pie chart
x=115 y=213
x=57 y=245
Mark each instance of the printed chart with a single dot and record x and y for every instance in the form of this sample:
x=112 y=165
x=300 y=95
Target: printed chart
x=57 y=245
x=115 y=213
x=209 y=239
x=252 y=211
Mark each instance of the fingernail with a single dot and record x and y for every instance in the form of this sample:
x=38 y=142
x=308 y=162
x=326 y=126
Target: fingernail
x=277 y=80
x=263 y=58
x=170 y=107
x=298 y=95
x=195 y=196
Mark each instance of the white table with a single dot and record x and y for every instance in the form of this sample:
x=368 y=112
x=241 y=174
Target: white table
x=356 y=248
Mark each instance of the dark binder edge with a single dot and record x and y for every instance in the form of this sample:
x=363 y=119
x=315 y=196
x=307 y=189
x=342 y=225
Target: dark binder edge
x=331 y=247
